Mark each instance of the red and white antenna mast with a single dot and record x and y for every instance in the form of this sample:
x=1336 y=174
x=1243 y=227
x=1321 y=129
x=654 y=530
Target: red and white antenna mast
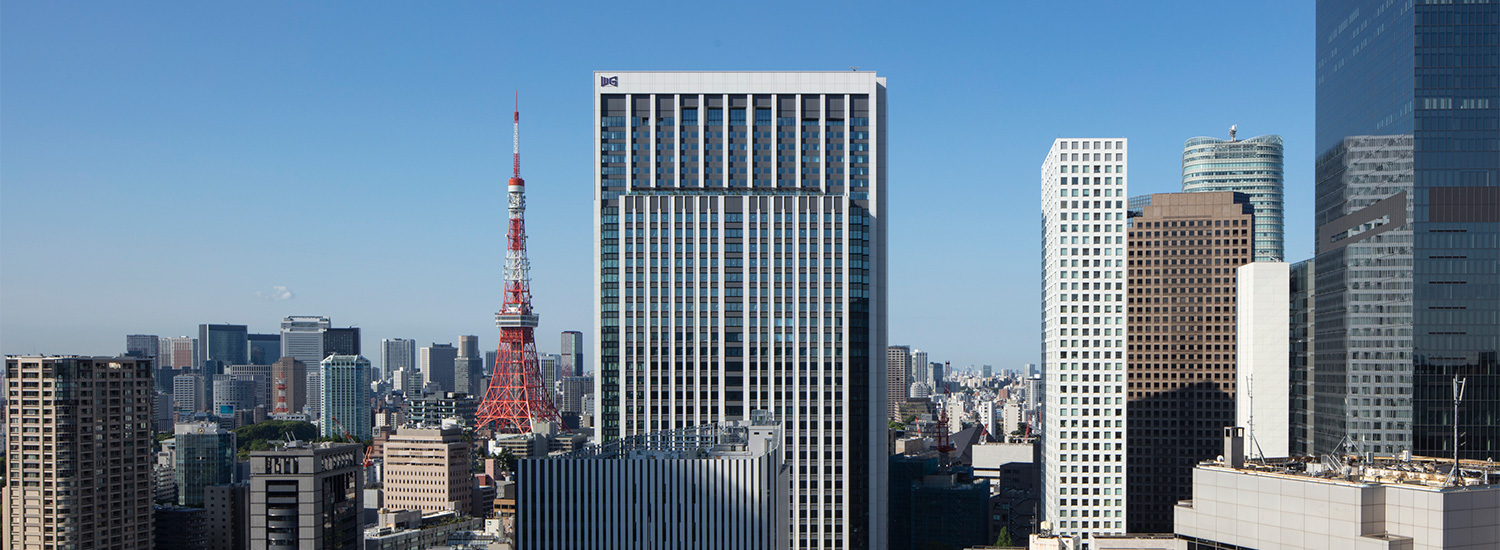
x=516 y=398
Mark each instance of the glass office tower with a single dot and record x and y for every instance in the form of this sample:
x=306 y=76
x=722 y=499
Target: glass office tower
x=1250 y=166
x=1408 y=215
x=741 y=245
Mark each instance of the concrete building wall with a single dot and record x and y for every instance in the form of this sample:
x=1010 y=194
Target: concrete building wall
x=1262 y=371
x=1270 y=510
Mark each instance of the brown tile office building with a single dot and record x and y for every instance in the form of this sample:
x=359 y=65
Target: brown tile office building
x=1183 y=250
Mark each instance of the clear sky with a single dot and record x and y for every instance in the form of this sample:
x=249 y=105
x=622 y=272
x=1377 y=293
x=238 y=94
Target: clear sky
x=169 y=164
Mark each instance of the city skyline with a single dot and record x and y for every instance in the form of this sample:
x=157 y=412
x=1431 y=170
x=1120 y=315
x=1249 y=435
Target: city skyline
x=1240 y=340
x=448 y=121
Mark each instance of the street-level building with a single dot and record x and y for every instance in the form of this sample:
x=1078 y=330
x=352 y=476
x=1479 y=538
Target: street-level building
x=719 y=486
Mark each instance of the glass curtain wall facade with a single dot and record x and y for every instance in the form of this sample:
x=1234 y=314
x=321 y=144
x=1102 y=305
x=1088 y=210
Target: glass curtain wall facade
x=1083 y=335
x=1300 y=291
x=741 y=245
x=344 y=405
x=225 y=344
x=264 y=348
x=1250 y=166
x=397 y=354
x=1408 y=215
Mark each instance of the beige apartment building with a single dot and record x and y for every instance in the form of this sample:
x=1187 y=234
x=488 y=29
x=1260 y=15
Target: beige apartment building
x=428 y=470
x=78 y=474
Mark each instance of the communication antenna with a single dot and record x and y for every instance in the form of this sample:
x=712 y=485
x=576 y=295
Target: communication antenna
x=1458 y=397
x=1233 y=128
x=1250 y=395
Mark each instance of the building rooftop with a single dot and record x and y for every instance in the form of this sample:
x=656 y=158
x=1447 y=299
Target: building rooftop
x=303 y=446
x=723 y=440
x=1409 y=471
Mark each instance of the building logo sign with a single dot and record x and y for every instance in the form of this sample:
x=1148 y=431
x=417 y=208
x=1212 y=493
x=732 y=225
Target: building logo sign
x=609 y=81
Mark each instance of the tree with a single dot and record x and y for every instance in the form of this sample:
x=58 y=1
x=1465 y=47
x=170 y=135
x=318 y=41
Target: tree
x=507 y=460
x=894 y=425
x=260 y=436
x=1004 y=539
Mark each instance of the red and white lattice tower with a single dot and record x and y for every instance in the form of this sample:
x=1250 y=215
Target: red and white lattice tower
x=516 y=397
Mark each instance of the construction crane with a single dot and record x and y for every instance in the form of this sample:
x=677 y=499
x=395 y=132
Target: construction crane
x=369 y=449
x=944 y=443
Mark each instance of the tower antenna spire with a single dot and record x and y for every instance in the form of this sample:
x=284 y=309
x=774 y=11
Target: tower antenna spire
x=516 y=141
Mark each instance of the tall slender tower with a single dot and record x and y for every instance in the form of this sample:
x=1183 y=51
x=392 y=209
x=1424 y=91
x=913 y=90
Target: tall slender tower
x=1083 y=334
x=515 y=397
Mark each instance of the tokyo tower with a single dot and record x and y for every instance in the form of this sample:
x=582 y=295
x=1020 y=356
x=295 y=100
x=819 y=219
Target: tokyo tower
x=516 y=398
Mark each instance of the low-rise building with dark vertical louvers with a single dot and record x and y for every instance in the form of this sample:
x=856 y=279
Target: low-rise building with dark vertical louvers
x=306 y=496
x=714 y=486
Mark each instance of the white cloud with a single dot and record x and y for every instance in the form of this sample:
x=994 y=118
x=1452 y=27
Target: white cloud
x=277 y=294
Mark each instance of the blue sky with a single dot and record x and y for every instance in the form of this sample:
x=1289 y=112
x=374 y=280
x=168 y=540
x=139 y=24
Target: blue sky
x=169 y=164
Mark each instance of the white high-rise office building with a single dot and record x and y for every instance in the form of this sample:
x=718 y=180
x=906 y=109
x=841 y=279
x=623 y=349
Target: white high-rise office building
x=741 y=241
x=1083 y=334
x=302 y=337
x=573 y=361
x=918 y=371
x=396 y=354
